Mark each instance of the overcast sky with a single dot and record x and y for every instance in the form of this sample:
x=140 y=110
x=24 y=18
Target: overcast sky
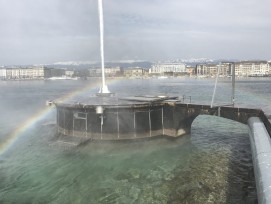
x=48 y=31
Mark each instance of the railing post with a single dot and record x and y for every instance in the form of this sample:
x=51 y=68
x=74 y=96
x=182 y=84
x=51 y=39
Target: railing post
x=102 y=122
x=73 y=124
x=233 y=84
x=163 y=120
x=86 y=125
x=150 y=120
x=118 y=123
x=134 y=123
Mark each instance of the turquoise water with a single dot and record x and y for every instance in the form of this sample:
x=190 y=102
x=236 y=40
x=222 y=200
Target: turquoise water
x=211 y=165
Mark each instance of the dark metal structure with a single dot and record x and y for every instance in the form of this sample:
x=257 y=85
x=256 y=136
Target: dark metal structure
x=112 y=118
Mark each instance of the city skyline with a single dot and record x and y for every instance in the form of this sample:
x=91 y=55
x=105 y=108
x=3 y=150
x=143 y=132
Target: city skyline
x=44 y=32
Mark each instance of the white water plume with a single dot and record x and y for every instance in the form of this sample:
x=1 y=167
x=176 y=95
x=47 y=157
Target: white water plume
x=104 y=88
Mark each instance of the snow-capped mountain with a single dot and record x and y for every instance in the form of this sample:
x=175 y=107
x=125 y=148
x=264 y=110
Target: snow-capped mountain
x=75 y=63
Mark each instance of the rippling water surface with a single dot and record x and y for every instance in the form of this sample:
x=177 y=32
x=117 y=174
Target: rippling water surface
x=211 y=165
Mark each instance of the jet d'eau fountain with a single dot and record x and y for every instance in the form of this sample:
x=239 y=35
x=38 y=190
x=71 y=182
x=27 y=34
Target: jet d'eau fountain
x=103 y=88
x=105 y=117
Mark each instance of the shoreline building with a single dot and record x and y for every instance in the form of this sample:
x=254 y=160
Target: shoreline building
x=252 y=68
x=190 y=70
x=242 y=69
x=27 y=73
x=135 y=72
x=164 y=68
x=3 y=73
x=109 y=72
x=211 y=69
x=15 y=73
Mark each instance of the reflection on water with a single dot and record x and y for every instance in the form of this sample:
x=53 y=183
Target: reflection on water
x=212 y=165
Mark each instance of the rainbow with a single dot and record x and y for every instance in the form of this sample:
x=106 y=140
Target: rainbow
x=41 y=114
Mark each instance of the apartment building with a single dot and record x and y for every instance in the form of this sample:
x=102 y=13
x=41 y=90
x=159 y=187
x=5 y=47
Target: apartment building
x=23 y=73
x=252 y=68
x=13 y=73
x=113 y=71
x=109 y=71
x=3 y=73
x=242 y=69
x=190 y=70
x=69 y=73
x=135 y=72
x=211 y=69
x=162 y=68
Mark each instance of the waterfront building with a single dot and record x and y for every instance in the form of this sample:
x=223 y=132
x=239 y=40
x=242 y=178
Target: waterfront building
x=13 y=73
x=109 y=72
x=23 y=73
x=55 y=72
x=135 y=72
x=252 y=68
x=69 y=73
x=242 y=69
x=38 y=72
x=162 y=68
x=112 y=71
x=211 y=69
x=95 y=72
x=190 y=70
x=3 y=73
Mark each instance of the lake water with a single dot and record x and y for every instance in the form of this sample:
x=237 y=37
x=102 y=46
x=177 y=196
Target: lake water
x=211 y=165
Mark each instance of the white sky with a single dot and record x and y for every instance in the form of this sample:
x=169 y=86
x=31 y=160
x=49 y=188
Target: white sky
x=47 y=31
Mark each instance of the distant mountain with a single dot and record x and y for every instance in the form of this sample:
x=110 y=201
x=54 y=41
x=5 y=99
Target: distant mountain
x=126 y=64
x=129 y=64
x=75 y=63
x=94 y=64
x=197 y=60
